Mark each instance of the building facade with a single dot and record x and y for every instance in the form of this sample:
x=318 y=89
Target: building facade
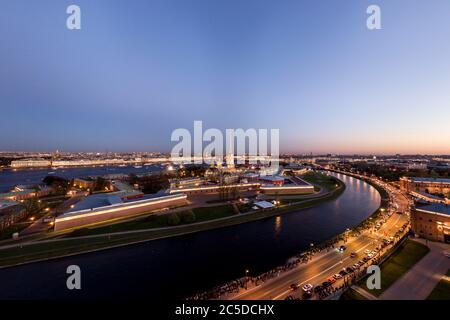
x=30 y=163
x=431 y=221
x=117 y=210
x=427 y=185
x=10 y=213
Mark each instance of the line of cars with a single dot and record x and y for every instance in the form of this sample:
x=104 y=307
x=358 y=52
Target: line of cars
x=308 y=288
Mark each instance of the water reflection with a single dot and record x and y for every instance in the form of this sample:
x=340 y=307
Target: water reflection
x=277 y=224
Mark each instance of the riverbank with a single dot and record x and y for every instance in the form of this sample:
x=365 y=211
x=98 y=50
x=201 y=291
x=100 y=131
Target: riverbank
x=55 y=248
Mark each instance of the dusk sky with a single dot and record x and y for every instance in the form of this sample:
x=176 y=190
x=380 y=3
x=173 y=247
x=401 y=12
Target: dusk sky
x=137 y=70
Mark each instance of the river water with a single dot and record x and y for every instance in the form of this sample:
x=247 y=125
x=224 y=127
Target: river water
x=10 y=178
x=180 y=266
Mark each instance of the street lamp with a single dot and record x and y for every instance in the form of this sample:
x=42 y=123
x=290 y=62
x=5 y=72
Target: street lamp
x=246 y=278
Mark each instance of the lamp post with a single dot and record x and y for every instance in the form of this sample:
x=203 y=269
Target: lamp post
x=246 y=278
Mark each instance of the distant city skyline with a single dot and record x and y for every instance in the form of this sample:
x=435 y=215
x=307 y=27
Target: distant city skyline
x=138 y=70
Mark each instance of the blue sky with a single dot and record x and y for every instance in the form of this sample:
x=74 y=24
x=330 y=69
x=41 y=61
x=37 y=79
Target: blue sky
x=139 y=69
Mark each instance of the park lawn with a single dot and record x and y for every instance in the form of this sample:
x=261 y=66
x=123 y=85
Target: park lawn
x=209 y=213
x=155 y=221
x=442 y=290
x=323 y=181
x=398 y=264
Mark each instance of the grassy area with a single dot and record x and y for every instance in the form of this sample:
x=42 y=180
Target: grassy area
x=351 y=294
x=209 y=213
x=292 y=201
x=323 y=181
x=398 y=264
x=442 y=290
x=160 y=221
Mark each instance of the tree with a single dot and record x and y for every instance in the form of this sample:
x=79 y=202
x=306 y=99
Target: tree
x=188 y=217
x=31 y=205
x=100 y=183
x=154 y=183
x=173 y=219
x=235 y=193
x=57 y=184
x=434 y=174
x=277 y=197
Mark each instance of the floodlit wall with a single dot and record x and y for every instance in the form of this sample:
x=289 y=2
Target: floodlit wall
x=103 y=214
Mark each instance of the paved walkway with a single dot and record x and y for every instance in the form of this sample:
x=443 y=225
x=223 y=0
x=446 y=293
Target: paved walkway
x=421 y=279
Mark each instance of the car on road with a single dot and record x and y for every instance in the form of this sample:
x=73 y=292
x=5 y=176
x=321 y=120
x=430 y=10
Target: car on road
x=318 y=289
x=331 y=280
x=337 y=276
x=353 y=255
x=342 y=248
x=326 y=284
x=349 y=270
x=343 y=272
x=307 y=287
x=294 y=286
x=367 y=251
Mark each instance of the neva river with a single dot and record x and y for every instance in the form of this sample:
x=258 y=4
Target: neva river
x=177 y=267
x=10 y=178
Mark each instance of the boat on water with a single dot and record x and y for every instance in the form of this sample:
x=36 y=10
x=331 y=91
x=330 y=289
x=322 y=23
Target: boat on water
x=51 y=172
x=137 y=167
x=122 y=165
